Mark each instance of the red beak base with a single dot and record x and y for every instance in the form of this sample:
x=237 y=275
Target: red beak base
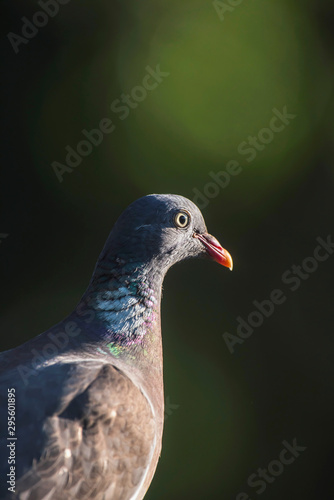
x=215 y=250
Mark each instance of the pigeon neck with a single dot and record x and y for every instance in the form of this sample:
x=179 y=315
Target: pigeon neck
x=121 y=309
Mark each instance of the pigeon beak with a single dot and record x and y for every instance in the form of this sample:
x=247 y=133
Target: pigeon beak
x=215 y=250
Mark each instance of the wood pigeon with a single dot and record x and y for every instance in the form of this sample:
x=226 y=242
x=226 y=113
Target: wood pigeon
x=85 y=398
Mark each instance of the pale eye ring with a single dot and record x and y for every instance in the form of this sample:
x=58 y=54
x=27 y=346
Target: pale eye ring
x=181 y=219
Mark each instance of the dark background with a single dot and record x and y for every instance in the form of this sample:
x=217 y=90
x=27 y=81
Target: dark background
x=228 y=413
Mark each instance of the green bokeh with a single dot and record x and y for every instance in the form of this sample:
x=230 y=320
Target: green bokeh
x=225 y=79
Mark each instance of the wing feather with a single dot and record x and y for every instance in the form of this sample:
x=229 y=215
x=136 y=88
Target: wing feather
x=86 y=431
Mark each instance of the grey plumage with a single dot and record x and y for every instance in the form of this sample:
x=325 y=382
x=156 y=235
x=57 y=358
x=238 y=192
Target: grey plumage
x=89 y=391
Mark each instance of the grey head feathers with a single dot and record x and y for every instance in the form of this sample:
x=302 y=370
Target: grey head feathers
x=149 y=230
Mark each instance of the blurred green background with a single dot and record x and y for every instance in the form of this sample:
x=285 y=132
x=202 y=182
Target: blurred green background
x=229 y=67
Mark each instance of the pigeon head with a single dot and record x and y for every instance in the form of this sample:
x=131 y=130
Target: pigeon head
x=160 y=230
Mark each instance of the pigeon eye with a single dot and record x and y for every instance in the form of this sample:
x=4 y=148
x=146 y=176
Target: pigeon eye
x=181 y=219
